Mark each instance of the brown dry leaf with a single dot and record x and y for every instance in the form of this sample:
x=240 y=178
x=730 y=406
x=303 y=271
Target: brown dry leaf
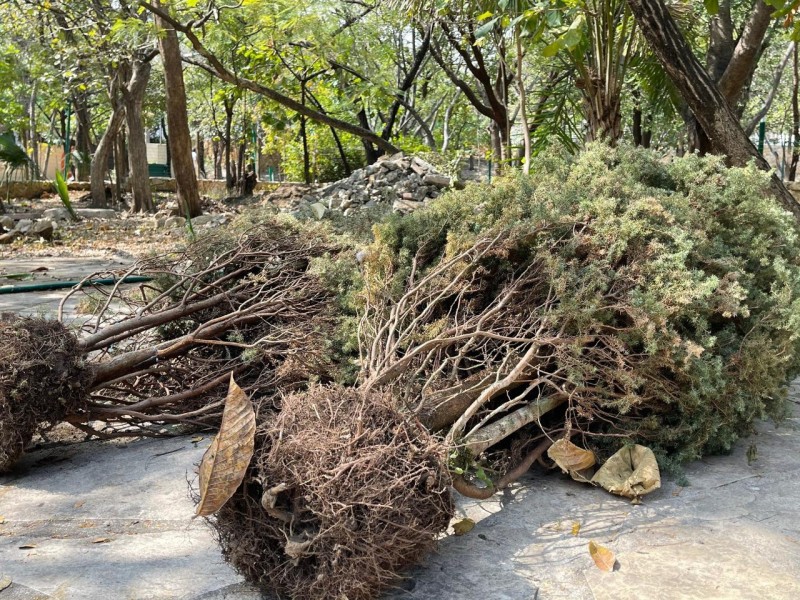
x=632 y=472
x=225 y=462
x=572 y=459
x=79 y=504
x=602 y=556
x=197 y=438
x=464 y=526
x=27 y=546
x=2 y=519
x=576 y=528
x=101 y=540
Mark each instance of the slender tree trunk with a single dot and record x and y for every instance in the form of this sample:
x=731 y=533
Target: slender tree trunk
x=304 y=137
x=34 y=135
x=99 y=166
x=795 y=116
x=137 y=142
x=116 y=191
x=121 y=161
x=701 y=94
x=526 y=134
x=448 y=113
x=229 y=178
x=776 y=81
x=240 y=166
x=201 y=156
x=369 y=148
x=82 y=138
x=180 y=137
x=217 y=159
x=166 y=143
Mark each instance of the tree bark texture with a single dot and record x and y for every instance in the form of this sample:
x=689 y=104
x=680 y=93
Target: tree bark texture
x=700 y=93
x=177 y=118
x=133 y=100
x=229 y=175
x=82 y=138
x=795 y=115
x=742 y=63
x=99 y=166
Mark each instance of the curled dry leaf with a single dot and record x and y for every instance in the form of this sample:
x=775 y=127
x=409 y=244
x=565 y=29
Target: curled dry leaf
x=602 y=556
x=225 y=462
x=572 y=459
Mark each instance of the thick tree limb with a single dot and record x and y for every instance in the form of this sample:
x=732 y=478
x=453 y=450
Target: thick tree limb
x=746 y=53
x=701 y=95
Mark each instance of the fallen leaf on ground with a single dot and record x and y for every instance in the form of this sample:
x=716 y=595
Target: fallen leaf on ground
x=226 y=460
x=197 y=438
x=602 y=556
x=572 y=459
x=464 y=526
x=101 y=540
x=631 y=472
x=79 y=503
x=2 y=519
x=4 y=583
x=27 y=546
x=576 y=528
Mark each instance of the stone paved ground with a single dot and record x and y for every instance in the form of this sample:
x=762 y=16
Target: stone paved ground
x=111 y=521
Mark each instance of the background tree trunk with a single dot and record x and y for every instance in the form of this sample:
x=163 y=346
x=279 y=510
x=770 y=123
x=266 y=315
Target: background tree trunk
x=121 y=162
x=229 y=175
x=795 y=115
x=177 y=118
x=34 y=135
x=201 y=156
x=99 y=166
x=700 y=93
x=83 y=143
x=133 y=99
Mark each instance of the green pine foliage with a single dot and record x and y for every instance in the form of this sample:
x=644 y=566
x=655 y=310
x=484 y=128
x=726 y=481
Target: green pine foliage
x=682 y=276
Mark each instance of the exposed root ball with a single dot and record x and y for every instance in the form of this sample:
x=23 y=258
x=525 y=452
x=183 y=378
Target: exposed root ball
x=42 y=379
x=344 y=492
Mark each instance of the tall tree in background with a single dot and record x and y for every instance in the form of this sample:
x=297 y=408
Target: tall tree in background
x=177 y=119
x=132 y=99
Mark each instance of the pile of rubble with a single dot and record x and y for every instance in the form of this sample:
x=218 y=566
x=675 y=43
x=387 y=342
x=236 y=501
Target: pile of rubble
x=399 y=182
x=11 y=229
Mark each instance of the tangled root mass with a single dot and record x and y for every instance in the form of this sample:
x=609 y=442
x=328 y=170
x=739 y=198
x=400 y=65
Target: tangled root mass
x=343 y=493
x=42 y=379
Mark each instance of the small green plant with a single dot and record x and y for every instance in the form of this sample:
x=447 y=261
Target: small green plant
x=63 y=192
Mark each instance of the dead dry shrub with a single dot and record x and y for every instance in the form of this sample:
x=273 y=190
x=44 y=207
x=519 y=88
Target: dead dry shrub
x=42 y=378
x=342 y=494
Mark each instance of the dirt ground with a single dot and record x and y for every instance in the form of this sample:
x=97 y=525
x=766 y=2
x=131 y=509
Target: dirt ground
x=132 y=235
